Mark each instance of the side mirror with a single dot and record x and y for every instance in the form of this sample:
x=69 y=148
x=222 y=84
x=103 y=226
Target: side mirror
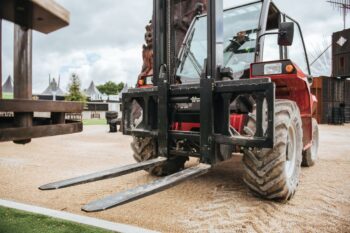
x=286 y=34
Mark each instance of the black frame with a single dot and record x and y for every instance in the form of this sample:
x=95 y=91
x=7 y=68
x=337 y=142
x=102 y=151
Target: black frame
x=162 y=99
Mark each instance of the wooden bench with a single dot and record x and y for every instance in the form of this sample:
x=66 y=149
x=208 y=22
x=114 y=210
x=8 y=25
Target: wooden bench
x=43 y=16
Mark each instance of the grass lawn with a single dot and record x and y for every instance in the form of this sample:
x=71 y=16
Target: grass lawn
x=16 y=221
x=6 y=95
x=95 y=122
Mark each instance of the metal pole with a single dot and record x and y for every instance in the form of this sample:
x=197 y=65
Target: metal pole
x=159 y=37
x=344 y=16
x=321 y=55
x=23 y=74
x=215 y=55
x=0 y=58
x=215 y=37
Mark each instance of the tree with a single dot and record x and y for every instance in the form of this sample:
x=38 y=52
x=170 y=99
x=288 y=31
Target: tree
x=120 y=86
x=110 y=88
x=74 y=93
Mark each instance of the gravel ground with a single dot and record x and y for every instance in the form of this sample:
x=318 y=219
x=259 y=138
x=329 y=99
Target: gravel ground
x=215 y=202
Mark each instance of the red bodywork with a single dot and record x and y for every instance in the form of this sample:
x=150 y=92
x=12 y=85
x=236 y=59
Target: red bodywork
x=236 y=120
x=296 y=87
x=292 y=86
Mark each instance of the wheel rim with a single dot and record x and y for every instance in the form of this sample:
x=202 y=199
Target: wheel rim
x=290 y=153
x=314 y=147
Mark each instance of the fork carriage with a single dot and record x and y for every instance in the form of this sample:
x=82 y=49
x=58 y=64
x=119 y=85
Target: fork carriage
x=214 y=119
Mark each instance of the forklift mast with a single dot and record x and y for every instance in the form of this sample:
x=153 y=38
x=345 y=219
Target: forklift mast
x=213 y=118
x=164 y=38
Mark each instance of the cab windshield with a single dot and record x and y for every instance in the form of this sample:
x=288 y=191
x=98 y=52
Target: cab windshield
x=240 y=34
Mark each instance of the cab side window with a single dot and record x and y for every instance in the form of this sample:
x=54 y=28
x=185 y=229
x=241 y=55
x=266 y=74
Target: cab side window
x=296 y=52
x=271 y=50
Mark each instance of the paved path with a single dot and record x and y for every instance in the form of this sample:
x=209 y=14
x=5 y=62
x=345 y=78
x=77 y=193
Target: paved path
x=107 y=225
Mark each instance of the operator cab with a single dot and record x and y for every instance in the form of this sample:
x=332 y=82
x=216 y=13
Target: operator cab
x=241 y=47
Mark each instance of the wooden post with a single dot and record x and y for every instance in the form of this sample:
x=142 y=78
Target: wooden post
x=0 y=59
x=58 y=118
x=23 y=74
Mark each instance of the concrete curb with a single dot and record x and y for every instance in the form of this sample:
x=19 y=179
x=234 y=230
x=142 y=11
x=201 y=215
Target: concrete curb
x=107 y=225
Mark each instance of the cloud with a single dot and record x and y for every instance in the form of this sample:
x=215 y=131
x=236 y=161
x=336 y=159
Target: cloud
x=103 y=42
x=116 y=64
x=104 y=39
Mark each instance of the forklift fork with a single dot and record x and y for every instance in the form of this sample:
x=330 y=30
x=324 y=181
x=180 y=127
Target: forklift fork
x=146 y=189
x=106 y=174
x=131 y=194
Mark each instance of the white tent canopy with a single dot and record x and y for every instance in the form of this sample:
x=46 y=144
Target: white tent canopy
x=53 y=89
x=93 y=92
x=8 y=85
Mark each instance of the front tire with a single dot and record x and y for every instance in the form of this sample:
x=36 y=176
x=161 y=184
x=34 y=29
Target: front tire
x=145 y=148
x=274 y=173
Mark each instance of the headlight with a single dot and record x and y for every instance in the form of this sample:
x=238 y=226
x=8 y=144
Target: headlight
x=149 y=80
x=273 y=68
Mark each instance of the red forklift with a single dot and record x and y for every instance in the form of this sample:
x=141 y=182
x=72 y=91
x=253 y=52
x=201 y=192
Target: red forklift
x=239 y=84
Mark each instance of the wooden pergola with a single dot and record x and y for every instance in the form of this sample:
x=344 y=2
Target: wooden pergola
x=44 y=16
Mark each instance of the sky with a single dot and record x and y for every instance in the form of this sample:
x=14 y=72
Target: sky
x=104 y=39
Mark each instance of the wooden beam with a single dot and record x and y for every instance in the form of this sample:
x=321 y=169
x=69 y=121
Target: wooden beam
x=0 y=59
x=22 y=73
x=22 y=63
x=19 y=105
x=41 y=15
x=58 y=118
x=18 y=134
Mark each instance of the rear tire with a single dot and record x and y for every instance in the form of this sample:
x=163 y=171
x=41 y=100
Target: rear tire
x=310 y=156
x=274 y=173
x=145 y=149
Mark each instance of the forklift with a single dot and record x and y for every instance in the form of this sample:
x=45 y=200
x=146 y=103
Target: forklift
x=239 y=84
